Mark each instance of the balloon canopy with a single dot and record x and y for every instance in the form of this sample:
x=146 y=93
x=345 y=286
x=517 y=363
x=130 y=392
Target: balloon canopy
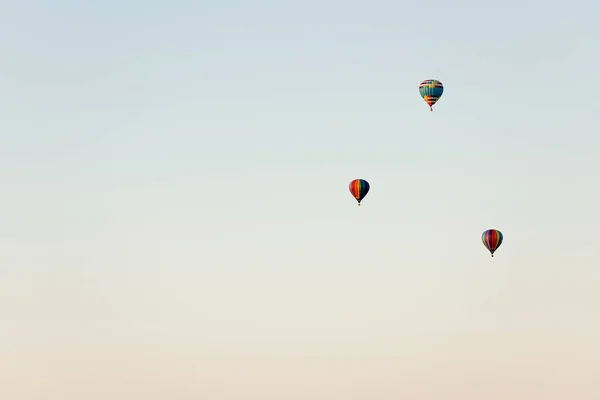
x=359 y=189
x=492 y=239
x=431 y=90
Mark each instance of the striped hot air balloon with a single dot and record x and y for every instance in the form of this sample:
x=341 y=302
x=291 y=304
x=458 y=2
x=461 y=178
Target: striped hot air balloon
x=492 y=239
x=359 y=189
x=431 y=90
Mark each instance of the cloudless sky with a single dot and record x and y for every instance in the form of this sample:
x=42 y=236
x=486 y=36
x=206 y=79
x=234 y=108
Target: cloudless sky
x=176 y=221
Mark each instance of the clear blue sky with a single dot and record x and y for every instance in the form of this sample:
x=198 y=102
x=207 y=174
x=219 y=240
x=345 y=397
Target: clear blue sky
x=176 y=221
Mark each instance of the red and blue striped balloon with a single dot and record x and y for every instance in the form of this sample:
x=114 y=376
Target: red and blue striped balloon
x=359 y=189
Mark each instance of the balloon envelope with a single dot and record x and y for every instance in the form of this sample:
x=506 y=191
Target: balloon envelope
x=359 y=189
x=431 y=90
x=492 y=239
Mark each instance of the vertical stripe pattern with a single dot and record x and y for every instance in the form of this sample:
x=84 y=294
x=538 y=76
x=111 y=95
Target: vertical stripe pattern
x=492 y=239
x=359 y=189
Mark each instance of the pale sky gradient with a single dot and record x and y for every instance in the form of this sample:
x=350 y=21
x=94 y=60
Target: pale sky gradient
x=176 y=221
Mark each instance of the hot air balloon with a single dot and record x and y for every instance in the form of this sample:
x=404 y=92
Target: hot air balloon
x=431 y=90
x=359 y=189
x=492 y=239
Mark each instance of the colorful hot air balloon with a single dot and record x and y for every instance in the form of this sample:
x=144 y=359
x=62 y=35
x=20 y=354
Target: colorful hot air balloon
x=492 y=239
x=359 y=189
x=431 y=90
